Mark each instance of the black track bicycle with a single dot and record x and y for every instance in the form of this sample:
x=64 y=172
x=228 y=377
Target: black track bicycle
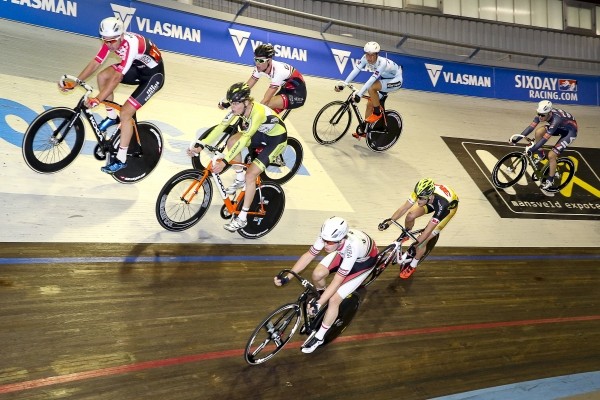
x=334 y=119
x=55 y=138
x=280 y=170
x=395 y=253
x=278 y=328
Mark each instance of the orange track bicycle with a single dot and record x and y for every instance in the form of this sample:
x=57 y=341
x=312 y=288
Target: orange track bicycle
x=55 y=138
x=185 y=198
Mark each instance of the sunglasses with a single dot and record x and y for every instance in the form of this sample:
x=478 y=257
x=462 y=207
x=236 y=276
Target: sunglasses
x=329 y=242
x=261 y=60
x=542 y=115
x=110 y=41
x=423 y=197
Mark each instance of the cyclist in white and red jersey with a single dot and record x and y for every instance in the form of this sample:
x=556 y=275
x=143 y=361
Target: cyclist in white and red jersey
x=428 y=197
x=287 y=89
x=386 y=78
x=558 y=123
x=141 y=65
x=352 y=255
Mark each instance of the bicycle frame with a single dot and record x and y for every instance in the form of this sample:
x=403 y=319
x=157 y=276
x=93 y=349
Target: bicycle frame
x=310 y=291
x=537 y=170
x=401 y=255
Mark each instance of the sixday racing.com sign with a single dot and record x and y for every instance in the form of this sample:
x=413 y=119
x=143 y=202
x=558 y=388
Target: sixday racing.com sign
x=580 y=199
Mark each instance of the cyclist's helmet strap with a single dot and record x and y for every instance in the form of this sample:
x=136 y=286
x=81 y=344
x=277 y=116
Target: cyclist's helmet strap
x=334 y=229
x=264 y=50
x=424 y=187
x=238 y=92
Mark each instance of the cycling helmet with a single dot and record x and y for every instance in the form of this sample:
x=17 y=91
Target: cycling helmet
x=372 y=47
x=264 y=50
x=544 y=107
x=111 y=27
x=424 y=187
x=334 y=229
x=238 y=92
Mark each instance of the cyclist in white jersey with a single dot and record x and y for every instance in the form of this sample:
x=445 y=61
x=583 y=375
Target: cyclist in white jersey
x=386 y=78
x=141 y=65
x=287 y=89
x=352 y=255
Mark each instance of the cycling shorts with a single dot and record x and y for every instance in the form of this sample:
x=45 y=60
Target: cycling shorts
x=267 y=147
x=360 y=271
x=148 y=81
x=294 y=95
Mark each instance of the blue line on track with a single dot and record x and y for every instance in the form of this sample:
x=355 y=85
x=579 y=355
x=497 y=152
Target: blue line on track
x=184 y=259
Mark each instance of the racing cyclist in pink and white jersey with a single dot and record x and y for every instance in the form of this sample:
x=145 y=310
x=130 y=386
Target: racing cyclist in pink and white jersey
x=352 y=255
x=141 y=65
x=386 y=78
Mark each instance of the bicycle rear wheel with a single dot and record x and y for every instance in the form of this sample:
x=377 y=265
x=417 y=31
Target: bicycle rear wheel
x=385 y=133
x=565 y=170
x=273 y=198
x=285 y=166
x=53 y=140
x=347 y=311
x=142 y=157
x=509 y=169
x=332 y=122
x=183 y=200
x=272 y=334
x=383 y=260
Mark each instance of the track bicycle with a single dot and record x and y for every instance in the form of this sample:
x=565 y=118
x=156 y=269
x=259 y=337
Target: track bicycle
x=280 y=170
x=55 y=138
x=334 y=119
x=278 y=328
x=395 y=253
x=511 y=168
x=185 y=198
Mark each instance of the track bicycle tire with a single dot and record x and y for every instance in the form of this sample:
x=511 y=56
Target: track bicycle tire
x=41 y=153
x=347 y=311
x=385 y=134
x=140 y=162
x=274 y=203
x=201 y=161
x=283 y=322
x=332 y=122
x=175 y=212
x=511 y=167
x=292 y=157
x=383 y=261
x=565 y=170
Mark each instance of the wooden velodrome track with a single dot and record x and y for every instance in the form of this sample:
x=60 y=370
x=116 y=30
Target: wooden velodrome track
x=166 y=316
x=167 y=322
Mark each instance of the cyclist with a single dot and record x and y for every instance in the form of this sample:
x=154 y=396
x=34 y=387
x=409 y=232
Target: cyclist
x=440 y=200
x=557 y=123
x=386 y=77
x=287 y=89
x=352 y=255
x=141 y=65
x=260 y=127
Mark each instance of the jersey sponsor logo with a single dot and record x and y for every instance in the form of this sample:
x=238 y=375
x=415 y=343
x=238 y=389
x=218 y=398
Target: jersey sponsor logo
x=156 y=27
x=64 y=7
x=579 y=200
x=435 y=71
x=544 y=88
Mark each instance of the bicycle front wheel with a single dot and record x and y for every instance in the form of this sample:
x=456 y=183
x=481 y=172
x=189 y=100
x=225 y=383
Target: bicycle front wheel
x=380 y=139
x=183 y=200
x=332 y=122
x=53 y=140
x=272 y=334
x=565 y=170
x=142 y=157
x=285 y=166
x=272 y=197
x=383 y=260
x=509 y=169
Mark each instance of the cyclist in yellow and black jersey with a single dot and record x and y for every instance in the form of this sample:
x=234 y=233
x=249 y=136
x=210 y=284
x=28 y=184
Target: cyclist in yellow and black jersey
x=260 y=127
x=440 y=200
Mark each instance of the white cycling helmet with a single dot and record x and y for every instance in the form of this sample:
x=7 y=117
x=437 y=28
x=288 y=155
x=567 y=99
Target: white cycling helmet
x=544 y=107
x=111 y=27
x=372 y=47
x=334 y=229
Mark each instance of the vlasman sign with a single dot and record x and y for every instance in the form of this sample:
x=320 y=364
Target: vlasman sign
x=578 y=200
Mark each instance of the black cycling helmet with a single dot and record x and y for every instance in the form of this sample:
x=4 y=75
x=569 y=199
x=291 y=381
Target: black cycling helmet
x=264 y=50
x=238 y=92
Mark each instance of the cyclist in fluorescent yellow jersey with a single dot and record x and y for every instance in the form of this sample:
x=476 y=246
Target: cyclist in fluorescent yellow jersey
x=261 y=128
x=440 y=200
